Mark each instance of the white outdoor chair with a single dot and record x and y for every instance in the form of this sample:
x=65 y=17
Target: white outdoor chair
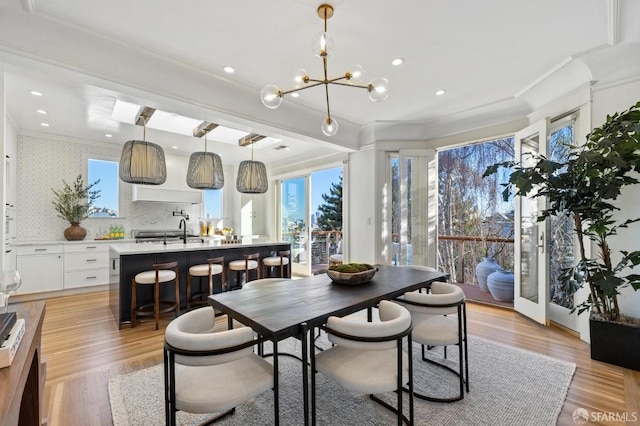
x=367 y=357
x=210 y=370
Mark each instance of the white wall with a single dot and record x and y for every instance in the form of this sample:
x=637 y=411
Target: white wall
x=609 y=100
x=361 y=239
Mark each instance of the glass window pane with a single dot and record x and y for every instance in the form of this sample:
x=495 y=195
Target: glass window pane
x=107 y=205
x=213 y=203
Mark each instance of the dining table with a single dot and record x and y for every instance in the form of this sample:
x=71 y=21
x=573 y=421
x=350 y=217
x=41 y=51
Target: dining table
x=278 y=310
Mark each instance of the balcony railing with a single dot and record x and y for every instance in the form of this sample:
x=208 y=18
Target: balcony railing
x=458 y=255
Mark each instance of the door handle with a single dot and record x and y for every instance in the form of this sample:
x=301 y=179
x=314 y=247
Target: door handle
x=541 y=245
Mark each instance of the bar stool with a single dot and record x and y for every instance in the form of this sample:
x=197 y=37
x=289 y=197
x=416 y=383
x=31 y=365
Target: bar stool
x=214 y=266
x=162 y=273
x=249 y=262
x=282 y=259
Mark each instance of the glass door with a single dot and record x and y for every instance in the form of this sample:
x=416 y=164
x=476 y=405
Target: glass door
x=311 y=220
x=294 y=228
x=562 y=237
x=413 y=207
x=531 y=292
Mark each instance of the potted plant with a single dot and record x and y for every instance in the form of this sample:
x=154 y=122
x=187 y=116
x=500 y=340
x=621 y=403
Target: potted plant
x=74 y=203
x=585 y=188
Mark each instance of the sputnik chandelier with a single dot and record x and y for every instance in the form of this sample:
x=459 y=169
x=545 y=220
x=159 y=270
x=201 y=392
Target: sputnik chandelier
x=378 y=89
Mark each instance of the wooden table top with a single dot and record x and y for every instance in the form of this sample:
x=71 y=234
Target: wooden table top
x=278 y=309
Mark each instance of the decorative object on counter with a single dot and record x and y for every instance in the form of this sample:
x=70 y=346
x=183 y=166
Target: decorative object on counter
x=205 y=168
x=143 y=162
x=378 y=89
x=351 y=273
x=252 y=176
x=74 y=203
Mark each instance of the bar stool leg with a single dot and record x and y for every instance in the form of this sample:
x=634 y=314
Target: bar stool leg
x=188 y=291
x=177 y=284
x=156 y=308
x=133 y=303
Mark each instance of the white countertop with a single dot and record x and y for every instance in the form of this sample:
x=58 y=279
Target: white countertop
x=124 y=248
x=85 y=241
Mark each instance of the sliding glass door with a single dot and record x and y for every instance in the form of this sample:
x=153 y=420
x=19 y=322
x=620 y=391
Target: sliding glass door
x=311 y=219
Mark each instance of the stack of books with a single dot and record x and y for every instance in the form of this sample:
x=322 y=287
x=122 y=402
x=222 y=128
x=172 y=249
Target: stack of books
x=11 y=332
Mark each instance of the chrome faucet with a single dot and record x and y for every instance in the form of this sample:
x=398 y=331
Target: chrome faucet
x=184 y=230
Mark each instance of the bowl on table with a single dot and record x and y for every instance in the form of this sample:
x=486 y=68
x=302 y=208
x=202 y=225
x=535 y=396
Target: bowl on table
x=351 y=273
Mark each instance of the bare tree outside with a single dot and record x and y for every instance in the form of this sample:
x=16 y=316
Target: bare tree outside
x=470 y=206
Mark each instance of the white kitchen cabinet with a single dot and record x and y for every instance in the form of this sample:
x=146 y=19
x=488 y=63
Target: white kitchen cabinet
x=41 y=268
x=252 y=214
x=86 y=265
x=11 y=154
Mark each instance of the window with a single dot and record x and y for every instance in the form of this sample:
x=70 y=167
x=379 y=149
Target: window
x=107 y=205
x=213 y=203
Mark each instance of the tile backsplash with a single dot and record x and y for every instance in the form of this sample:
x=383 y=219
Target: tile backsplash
x=43 y=163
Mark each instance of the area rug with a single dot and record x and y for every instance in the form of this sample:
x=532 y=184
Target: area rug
x=508 y=386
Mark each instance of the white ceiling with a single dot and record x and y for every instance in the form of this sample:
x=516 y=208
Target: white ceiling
x=487 y=55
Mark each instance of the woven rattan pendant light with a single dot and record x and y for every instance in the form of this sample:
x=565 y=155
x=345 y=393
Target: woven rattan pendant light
x=205 y=170
x=252 y=176
x=143 y=162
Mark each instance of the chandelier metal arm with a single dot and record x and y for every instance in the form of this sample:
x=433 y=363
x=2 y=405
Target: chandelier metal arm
x=317 y=83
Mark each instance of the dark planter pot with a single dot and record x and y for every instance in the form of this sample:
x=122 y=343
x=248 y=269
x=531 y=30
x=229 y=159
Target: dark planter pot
x=614 y=343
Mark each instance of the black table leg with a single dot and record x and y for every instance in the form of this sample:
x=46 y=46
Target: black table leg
x=276 y=393
x=305 y=373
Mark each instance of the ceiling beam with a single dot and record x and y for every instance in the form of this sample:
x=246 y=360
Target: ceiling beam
x=250 y=138
x=204 y=128
x=144 y=115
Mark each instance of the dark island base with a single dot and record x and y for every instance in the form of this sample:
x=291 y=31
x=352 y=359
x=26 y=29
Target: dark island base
x=130 y=265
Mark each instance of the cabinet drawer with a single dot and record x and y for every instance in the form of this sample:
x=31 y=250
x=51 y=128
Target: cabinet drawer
x=86 y=278
x=85 y=247
x=40 y=249
x=91 y=260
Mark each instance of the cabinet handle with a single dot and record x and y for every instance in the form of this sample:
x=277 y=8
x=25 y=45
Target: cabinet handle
x=91 y=260
x=91 y=247
x=40 y=249
x=92 y=278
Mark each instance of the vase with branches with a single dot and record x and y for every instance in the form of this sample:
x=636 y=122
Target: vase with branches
x=74 y=203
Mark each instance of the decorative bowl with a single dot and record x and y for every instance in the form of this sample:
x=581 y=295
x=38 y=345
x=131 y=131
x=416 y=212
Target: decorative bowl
x=352 y=278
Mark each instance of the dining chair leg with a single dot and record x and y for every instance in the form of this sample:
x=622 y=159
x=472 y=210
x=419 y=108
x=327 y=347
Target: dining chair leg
x=156 y=307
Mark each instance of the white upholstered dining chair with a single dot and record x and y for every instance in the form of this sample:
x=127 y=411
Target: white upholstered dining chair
x=368 y=357
x=210 y=369
x=440 y=320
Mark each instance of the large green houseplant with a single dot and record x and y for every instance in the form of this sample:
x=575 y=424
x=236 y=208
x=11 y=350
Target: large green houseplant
x=74 y=203
x=585 y=187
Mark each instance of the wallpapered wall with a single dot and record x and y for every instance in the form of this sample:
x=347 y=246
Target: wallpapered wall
x=43 y=164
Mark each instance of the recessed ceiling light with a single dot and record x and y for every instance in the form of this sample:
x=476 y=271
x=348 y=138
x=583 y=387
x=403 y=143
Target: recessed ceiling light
x=397 y=61
x=174 y=147
x=228 y=69
x=41 y=111
x=44 y=124
x=108 y=135
x=440 y=92
x=35 y=93
x=295 y=95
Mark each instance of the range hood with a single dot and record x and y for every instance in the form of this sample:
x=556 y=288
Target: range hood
x=174 y=190
x=162 y=195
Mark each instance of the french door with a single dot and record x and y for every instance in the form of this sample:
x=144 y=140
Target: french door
x=547 y=247
x=531 y=264
x=413 y=206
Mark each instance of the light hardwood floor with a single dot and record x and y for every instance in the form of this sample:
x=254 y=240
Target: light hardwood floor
x=83 y=349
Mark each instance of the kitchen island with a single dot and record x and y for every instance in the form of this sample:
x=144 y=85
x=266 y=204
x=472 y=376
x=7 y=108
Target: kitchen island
x=128 y=259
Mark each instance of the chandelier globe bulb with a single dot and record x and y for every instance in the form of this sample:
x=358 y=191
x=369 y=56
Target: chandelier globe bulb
x=378 y=89
x=355 y=74
x=322 y=45
x=271 y=96
x=330 y=126
x=300 y=78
